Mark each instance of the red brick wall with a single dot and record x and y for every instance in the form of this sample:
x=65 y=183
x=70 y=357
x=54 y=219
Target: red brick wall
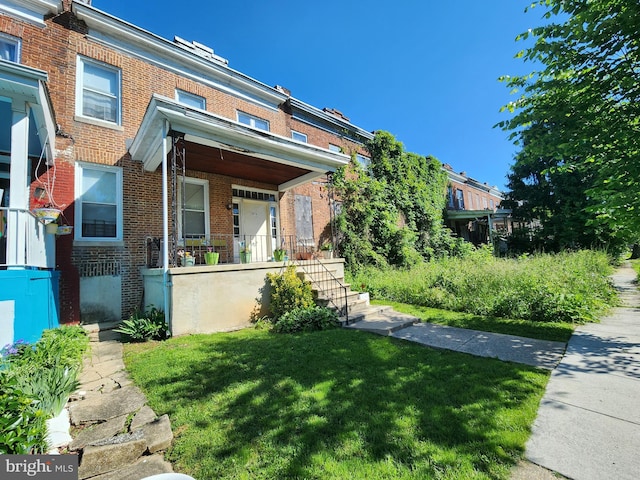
x=54 y=49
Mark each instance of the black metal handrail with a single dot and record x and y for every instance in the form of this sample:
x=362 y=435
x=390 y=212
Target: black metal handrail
x=321 y=276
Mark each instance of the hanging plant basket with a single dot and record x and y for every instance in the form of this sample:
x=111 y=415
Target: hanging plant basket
x=47 y=215
x=64 y=229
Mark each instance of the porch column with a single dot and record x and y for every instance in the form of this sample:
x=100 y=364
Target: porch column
x=18 y=181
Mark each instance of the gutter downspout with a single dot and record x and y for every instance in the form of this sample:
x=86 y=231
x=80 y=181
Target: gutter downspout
x=165 y=227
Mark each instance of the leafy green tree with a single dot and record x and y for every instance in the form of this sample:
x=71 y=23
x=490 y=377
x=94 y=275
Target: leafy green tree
x=578 y=118
x=392 y=212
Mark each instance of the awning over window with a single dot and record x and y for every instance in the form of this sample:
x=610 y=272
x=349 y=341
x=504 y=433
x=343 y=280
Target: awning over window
x=218 y=145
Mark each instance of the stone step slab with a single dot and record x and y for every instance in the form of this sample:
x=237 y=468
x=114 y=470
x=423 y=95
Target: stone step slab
x=98 y=459
x=143 y=468
x=103 y=407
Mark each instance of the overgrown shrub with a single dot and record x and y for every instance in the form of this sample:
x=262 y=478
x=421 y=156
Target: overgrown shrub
x=22 y=423
x=141 y=326
x=306 y=319
x=566 y=287
x=288 y=292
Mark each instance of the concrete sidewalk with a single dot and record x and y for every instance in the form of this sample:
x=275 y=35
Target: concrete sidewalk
x=588 y=424
x=538 y=353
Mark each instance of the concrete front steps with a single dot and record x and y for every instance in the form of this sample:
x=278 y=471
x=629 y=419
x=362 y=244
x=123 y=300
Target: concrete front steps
x=330 y=290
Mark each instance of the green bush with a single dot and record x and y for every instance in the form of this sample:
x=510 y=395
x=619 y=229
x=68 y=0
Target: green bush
x=47 y=370
x=22 y=423
x=141 y=326
x=35 y=383
x=306 y=319
x=567 y=287
x=288 y=292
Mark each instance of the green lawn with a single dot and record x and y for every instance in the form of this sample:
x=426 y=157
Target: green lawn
x=336 y=404
x=556 y=331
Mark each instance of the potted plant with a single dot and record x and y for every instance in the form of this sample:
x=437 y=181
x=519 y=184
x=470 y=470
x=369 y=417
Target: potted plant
x=279 y=254
x=327 y=250
x=186 y=259
x=245 y=253
x=211 y=257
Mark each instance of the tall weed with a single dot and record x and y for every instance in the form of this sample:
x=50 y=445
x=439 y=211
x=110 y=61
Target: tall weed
x=565 y=287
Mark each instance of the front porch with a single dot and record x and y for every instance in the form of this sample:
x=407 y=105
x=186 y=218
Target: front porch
x=225 y=190
x=217 y=298
x=28 y=281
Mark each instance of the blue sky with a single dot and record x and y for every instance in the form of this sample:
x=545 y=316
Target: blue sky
x=426 y=71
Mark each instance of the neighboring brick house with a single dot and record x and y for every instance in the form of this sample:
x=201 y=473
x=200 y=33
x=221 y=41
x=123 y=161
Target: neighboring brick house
x=242 y=164
x=473 y=209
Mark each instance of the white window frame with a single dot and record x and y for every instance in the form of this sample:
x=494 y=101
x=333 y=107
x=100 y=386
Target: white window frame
x=191 y=99
x=205 y=192
x=252 y=121
x=80 y=168
x=335 y=148
x=300 y=137
x=81 y=62
x=365 y=162
x=16 y=42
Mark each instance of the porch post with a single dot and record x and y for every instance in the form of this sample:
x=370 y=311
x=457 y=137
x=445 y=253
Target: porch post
x=490 y=224
x=18 y=181
x=165 y=227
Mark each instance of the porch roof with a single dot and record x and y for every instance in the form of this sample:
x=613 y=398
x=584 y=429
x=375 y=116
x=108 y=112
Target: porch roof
x=476 y=214
x=19 y=83
x=219 y=145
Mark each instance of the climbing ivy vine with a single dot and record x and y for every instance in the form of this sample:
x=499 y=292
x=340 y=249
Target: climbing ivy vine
x=392 y=210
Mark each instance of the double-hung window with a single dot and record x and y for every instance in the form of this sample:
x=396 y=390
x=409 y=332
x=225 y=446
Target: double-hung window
x=98 y=91
x=252 y=121
x=191 y=99
x=194 y=209
x=9 y=48
x=98 y=212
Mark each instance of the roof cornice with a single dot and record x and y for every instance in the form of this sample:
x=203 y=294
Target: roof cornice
x=117 y=28
x=32 y=11
x=327 y=117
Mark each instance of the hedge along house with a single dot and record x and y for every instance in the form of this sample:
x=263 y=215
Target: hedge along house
x=162 y=152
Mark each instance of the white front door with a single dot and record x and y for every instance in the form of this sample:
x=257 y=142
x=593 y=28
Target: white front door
x=254 y=221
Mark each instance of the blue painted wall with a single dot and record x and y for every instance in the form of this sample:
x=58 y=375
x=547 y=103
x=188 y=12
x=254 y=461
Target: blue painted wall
x=36 y=297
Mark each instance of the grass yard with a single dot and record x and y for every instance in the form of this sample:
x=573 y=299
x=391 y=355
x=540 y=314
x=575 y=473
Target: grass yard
x=335 y=404
x=555 y=331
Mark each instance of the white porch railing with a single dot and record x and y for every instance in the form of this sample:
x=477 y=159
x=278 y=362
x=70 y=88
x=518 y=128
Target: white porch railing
x=24 y=242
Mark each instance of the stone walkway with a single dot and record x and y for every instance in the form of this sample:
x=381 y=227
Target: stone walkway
x=118 y=436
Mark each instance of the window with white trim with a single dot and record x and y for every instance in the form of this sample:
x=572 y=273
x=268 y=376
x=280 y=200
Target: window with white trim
x=191 y=99
x=335 y=148
x=363 y=161
x=98 y=212
x=300 y=137
x=252 y=121
x=98 y=91
x=193 y=222
x=9 y=48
